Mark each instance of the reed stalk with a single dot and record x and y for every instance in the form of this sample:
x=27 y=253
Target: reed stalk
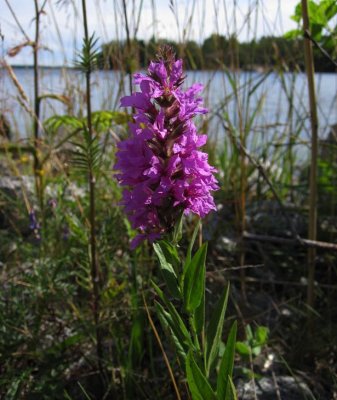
x=243 y=170
x=312 y=233
x=95 y=273
x=38 y=173
x=128 y=44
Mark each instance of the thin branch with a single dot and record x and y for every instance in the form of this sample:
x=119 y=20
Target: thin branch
x=293 y=242
x=234 y=268
x=320 y=48
x=128 y=43
x=263 y=172
x=17 y=21
x=253 y=280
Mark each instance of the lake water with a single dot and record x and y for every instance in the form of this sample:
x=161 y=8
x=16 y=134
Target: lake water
x=279 y=103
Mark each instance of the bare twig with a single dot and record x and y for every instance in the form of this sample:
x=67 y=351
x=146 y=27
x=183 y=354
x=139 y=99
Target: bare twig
x=303 y=242
x=320 y=48
x=264 y=174
x=128 y=43
x=22 y=98
x=253 y=280
x=16 y=20
x=237 y=268
x=37 y=102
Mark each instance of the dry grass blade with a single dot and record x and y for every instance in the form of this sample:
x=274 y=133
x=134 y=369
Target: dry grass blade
x=174 y=383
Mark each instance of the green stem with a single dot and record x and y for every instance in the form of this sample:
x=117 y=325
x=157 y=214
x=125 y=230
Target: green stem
x=194 y=332
x=312 y=234
x=92 y=212
x=37 y=164
x=128 y=44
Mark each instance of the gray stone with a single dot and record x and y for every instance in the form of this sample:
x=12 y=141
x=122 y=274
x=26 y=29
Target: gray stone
x=267 y=388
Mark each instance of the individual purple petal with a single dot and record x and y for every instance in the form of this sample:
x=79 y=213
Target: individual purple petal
x=137 y=100
x=177 y=70
x=158 y=70
x=140 y=238
x=158 y=125
x=137 y=240
x=162 y=191
x=174 y=165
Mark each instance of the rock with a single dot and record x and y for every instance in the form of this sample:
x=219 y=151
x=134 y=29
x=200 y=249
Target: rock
x=283 y=387
x=17 y=197
x=12 y=186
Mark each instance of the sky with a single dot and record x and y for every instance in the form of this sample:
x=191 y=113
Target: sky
x=62 y=32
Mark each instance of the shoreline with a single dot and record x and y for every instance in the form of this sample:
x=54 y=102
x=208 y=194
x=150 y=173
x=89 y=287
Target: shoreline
x=255 y=69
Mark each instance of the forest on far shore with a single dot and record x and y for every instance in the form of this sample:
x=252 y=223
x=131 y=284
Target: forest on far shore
x=218 y=51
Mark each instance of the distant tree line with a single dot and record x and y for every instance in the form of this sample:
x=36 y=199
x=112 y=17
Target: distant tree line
x=216 y=52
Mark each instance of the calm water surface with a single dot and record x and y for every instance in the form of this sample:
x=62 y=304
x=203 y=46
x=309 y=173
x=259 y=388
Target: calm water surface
x=279 y=103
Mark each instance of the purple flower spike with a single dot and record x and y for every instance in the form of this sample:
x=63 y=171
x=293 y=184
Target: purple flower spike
x=160 y=166
x=34 y=225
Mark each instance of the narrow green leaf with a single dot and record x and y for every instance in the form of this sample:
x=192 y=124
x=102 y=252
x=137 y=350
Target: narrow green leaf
x=171 y=254
x=177 y=323
x=136 y=349
x=330 y=8
x=226 y=366
x=256 y=350
x=167 y=325
x=249 y=333
x=261 y=335
x=199 y=315
x=167 y=271
x=197 y=382
x=190 y=246
x=232 y=392
x=214 y=330
x=178 y=229
x=242 y=348
x=293 y=34
x=194 y=279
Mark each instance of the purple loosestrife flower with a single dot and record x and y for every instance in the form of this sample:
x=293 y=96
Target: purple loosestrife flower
x=160 y=165
x=34 y=225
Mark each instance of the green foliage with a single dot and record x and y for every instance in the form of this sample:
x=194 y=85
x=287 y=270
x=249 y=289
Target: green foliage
x=198 y=357
x=323 y=27
x=47 y=333
x=199 y=386
x=254 y=341
x=101 y=120
x=88 y=58
x=194 y=279
x=178 y=230
x=191 y=243
x=224 y=385
x=174 y=322
x=87 y=152
x=214 y=331
x=218 y=51
x=320 y=15
x=87 y=155
x=166 y=253
x=56 y=122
